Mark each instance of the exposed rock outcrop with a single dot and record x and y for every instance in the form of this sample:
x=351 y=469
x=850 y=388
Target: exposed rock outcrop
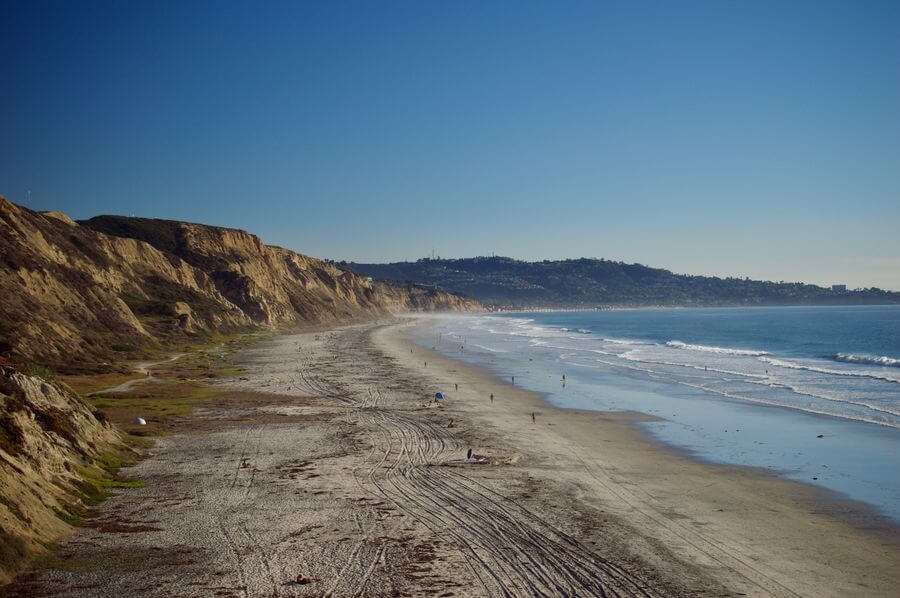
x=417 y=297
x=80 y=292
x=48 y=438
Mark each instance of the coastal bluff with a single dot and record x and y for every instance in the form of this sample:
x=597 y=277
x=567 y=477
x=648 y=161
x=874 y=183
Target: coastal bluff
x=101 y=289
x=56 y=457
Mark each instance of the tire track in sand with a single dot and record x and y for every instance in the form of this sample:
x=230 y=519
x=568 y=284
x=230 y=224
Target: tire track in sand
x=509 y=550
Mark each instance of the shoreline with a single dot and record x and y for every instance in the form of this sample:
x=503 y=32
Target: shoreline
x=711 y=418
x=814 y=510
x=327 y=468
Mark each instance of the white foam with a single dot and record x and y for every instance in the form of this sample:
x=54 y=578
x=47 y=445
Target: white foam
x=803 y=384
x=868 y=359
x=834 y=372
x=629 y=356
x=720 y=350
x=886 y=409
x=489 y=348
x=775 y=403
x=622 y=341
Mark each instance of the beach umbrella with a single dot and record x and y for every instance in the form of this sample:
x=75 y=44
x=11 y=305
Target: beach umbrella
x=439 y=395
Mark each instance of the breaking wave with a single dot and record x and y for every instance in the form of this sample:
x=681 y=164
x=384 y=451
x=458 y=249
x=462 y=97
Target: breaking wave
x=830 y=371
x=867 y=359
x=620 y=341
x=720 y=350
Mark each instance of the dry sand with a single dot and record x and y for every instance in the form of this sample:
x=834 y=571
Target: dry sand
x=351 y=475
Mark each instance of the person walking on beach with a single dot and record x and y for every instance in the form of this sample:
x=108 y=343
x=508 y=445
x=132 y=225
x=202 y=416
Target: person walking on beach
x=455 y=386
x=492 y=397
x=513 y=379
x=533 y=420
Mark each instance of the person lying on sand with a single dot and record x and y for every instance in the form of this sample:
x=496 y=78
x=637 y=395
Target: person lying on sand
x=477 y=458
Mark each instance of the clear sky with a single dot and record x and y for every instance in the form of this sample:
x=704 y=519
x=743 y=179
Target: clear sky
x=729 y=138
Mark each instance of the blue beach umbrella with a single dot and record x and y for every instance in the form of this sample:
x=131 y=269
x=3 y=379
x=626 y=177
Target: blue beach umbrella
x=439 y=395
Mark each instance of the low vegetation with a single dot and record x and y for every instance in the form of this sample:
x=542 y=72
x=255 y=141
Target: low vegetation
x=165 y=400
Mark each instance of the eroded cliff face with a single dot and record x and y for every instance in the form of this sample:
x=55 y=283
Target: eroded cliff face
x=86 y=292
x=417 y=297
x=50 y=441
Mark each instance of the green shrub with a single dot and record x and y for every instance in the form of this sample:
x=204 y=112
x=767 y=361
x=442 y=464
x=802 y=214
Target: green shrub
x=39 y=371
x=71 y=514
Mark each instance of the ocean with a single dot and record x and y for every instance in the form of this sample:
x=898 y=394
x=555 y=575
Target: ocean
x=810 y=393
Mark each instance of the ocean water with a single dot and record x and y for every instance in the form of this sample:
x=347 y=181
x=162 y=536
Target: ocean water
x=811 y=393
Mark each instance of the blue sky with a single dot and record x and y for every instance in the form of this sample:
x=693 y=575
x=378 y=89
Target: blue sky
x=728 y=138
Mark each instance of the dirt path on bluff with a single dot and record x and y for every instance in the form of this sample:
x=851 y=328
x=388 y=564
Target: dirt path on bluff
x=143 y=368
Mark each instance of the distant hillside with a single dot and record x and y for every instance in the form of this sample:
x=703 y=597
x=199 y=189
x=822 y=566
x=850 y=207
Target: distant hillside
x=503 y=281
x=108 y=288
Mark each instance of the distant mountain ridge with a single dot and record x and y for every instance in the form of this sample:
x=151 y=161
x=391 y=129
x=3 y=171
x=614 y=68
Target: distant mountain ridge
x=110 y=287
x=585 y=283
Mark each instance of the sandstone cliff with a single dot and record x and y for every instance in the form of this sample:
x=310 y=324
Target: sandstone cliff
x=50 y=444
x=85 y=292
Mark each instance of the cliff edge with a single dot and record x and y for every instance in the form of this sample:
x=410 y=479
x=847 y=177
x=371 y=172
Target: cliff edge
x=92 y=291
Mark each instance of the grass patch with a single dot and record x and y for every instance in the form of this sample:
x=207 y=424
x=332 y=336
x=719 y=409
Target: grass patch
x=95 y=480
x=85 y=383
x=201 y=361
x=90 y=492
x=138 y=442
x=111 y=463
x=161 y=405
x=120 y=484
x=104 y=474
x=71 y=514
x=201 y=365
x=39 y=371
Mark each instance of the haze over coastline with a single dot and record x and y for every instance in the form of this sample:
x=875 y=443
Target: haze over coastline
x=731 y=140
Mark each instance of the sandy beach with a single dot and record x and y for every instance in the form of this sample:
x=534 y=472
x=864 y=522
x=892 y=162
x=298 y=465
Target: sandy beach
x=337 y=468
